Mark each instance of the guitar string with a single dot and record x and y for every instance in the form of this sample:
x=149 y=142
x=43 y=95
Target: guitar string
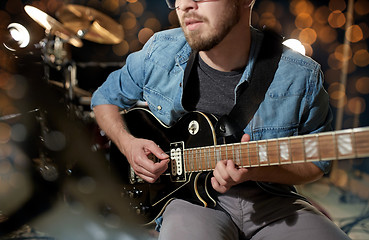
x=361 y=145
x=254 y=152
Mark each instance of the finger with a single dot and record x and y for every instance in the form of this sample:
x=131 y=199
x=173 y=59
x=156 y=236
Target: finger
x=245 y=138
x=146 y=175
x=217 y=187
x=150 y=168
x=223 y=170
x=161 y=167
x=234 y=172
x=220 y=176
x=147 y=178
x=141 y=171
x=151 y=147
x=231 y=168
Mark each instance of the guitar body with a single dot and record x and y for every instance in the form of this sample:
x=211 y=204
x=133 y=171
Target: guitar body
x=191 y=144
x=149 y=200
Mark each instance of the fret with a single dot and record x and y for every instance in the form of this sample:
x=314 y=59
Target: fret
x=214 y=160
x=198 y=159
x=311 y=148
x=335 y=145
x=297 y=149
x=278 y=152
x=327 y=150
x=209 y=159
x=233 y=156
x=241 y=156
x=290 y=150
x=345 y=146
x=362 y=145
x=193 y=160
x=248 y=154
x=353 y=142
x=263 y=153
x=187 y=161
x=273 y=154
x=238 y=157
x=319 y=151
x=218 y=154
x=204 y=160
x=214 y=157
x=304 y=148
x=257 y=153
x=284 y=151
x=226 y=152
x=184 y=160
x=254 y=156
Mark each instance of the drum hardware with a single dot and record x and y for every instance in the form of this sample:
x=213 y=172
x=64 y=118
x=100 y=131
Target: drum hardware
x=15 y=115
x=54 y=52
x=45 y=165
x=90 y=24
x=53 y=26
x=75 y=22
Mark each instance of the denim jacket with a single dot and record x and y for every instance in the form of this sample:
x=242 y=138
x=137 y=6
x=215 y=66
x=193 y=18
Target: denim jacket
x=295 y=103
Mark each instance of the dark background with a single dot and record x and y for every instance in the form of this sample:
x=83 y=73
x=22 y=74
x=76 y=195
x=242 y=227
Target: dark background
x=24 y=86
x=140 y=19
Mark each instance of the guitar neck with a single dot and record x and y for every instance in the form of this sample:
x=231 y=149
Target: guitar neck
x=335 y=145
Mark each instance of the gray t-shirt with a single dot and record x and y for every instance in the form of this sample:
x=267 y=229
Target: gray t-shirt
x=209 y=90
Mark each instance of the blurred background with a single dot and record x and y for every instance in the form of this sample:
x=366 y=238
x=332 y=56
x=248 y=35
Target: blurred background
x=48 y=133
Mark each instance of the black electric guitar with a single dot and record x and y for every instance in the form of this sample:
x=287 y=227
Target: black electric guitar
x=191 y=143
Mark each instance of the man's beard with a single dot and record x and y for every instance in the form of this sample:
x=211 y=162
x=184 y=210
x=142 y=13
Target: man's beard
x=205 y=41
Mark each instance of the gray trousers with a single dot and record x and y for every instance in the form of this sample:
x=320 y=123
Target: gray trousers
x=248 y=212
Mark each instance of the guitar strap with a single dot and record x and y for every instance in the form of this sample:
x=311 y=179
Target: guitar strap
x=251 y=93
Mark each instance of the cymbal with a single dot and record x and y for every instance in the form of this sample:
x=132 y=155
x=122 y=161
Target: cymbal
x=52 y=26
x=90 y=24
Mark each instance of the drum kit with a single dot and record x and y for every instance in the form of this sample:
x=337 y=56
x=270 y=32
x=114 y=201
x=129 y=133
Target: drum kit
x=75 y=23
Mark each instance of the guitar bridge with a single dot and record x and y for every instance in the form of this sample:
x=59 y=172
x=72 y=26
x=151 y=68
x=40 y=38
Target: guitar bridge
x=177 y=173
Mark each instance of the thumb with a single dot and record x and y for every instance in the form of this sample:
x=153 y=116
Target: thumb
x=157 y=151
x=245 y=138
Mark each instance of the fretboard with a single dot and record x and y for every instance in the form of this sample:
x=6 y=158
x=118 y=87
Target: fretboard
x=335 y=145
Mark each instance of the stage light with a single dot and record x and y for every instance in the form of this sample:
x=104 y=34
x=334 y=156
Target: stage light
x=19 y=37
x=295 y=45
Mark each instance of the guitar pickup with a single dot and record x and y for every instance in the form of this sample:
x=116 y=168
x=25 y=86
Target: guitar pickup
x=177 y=173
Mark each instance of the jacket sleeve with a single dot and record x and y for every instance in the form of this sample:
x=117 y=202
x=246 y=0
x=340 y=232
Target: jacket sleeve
x=123 y=87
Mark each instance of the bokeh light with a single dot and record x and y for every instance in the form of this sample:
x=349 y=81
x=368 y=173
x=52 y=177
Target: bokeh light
x=354 y=33
x=336 y=19
x=362 y=85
